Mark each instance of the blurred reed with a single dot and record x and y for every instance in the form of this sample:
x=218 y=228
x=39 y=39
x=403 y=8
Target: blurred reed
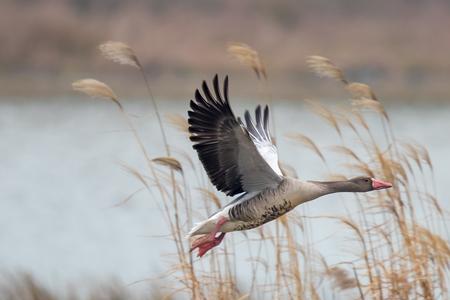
x=398 y=252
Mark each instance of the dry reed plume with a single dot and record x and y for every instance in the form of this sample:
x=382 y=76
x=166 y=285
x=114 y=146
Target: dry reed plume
x=249 y=57
x=95 y=88
x=120 y=53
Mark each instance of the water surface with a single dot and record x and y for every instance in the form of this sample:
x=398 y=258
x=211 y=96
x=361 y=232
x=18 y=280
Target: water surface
x=61 y=175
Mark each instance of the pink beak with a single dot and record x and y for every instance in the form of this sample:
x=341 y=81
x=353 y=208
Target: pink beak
x=380 y=185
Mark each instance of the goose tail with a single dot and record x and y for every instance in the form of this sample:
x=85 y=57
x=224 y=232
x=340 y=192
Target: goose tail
x=207 y=225
x=199 y=228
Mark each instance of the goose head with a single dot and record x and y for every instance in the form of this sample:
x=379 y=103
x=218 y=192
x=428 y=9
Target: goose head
x=367 y=184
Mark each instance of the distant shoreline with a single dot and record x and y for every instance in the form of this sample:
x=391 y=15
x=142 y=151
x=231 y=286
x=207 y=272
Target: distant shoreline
x=242 y=85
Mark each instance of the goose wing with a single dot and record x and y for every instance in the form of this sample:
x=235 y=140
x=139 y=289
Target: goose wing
x=260 y=135
x=236 y=158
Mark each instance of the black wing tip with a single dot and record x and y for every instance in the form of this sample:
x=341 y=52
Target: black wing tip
x=225 y=88
x=204 y=85
x=248 y=120
x=215 y=82
x=207 y=91
x=198 y=96
x=205 y=101
x=216 y=79
x=258 y=113
x=266 y=119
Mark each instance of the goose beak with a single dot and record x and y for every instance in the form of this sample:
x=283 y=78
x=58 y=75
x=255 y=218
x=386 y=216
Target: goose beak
x=380 y=185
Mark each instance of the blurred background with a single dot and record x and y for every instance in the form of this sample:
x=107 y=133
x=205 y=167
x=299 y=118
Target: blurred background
x=400 y=47
x=66 y=215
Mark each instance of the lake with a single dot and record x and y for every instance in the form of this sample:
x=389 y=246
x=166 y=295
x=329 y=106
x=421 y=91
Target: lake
x=61 y=177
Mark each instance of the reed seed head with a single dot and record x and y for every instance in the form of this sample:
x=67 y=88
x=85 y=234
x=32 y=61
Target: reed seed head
x=96 y=89
x=323 y=67
x=249 y=57
x=120 y=53
x=170 y=162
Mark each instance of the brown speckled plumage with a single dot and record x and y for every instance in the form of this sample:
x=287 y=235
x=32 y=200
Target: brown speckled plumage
x=270 y=213
x=262 y=208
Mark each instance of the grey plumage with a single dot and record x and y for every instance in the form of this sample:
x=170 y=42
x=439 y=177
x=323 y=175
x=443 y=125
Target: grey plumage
x=241 y=159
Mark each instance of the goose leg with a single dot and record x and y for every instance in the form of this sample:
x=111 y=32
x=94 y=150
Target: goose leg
x=209 y=241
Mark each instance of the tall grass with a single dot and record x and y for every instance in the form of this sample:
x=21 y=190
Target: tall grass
x=400 y=240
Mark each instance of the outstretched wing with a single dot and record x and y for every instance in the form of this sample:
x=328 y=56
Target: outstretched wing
x=232 y=160
x=260 y=135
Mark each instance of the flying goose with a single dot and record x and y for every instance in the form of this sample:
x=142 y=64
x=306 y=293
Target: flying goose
x=240 y=159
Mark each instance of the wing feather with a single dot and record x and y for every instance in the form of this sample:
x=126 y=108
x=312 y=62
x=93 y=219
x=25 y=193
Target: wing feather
x=226 y=148
x=260 y=136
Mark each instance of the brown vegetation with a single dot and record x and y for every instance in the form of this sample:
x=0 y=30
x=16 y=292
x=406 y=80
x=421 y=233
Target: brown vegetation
x=396 y=46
